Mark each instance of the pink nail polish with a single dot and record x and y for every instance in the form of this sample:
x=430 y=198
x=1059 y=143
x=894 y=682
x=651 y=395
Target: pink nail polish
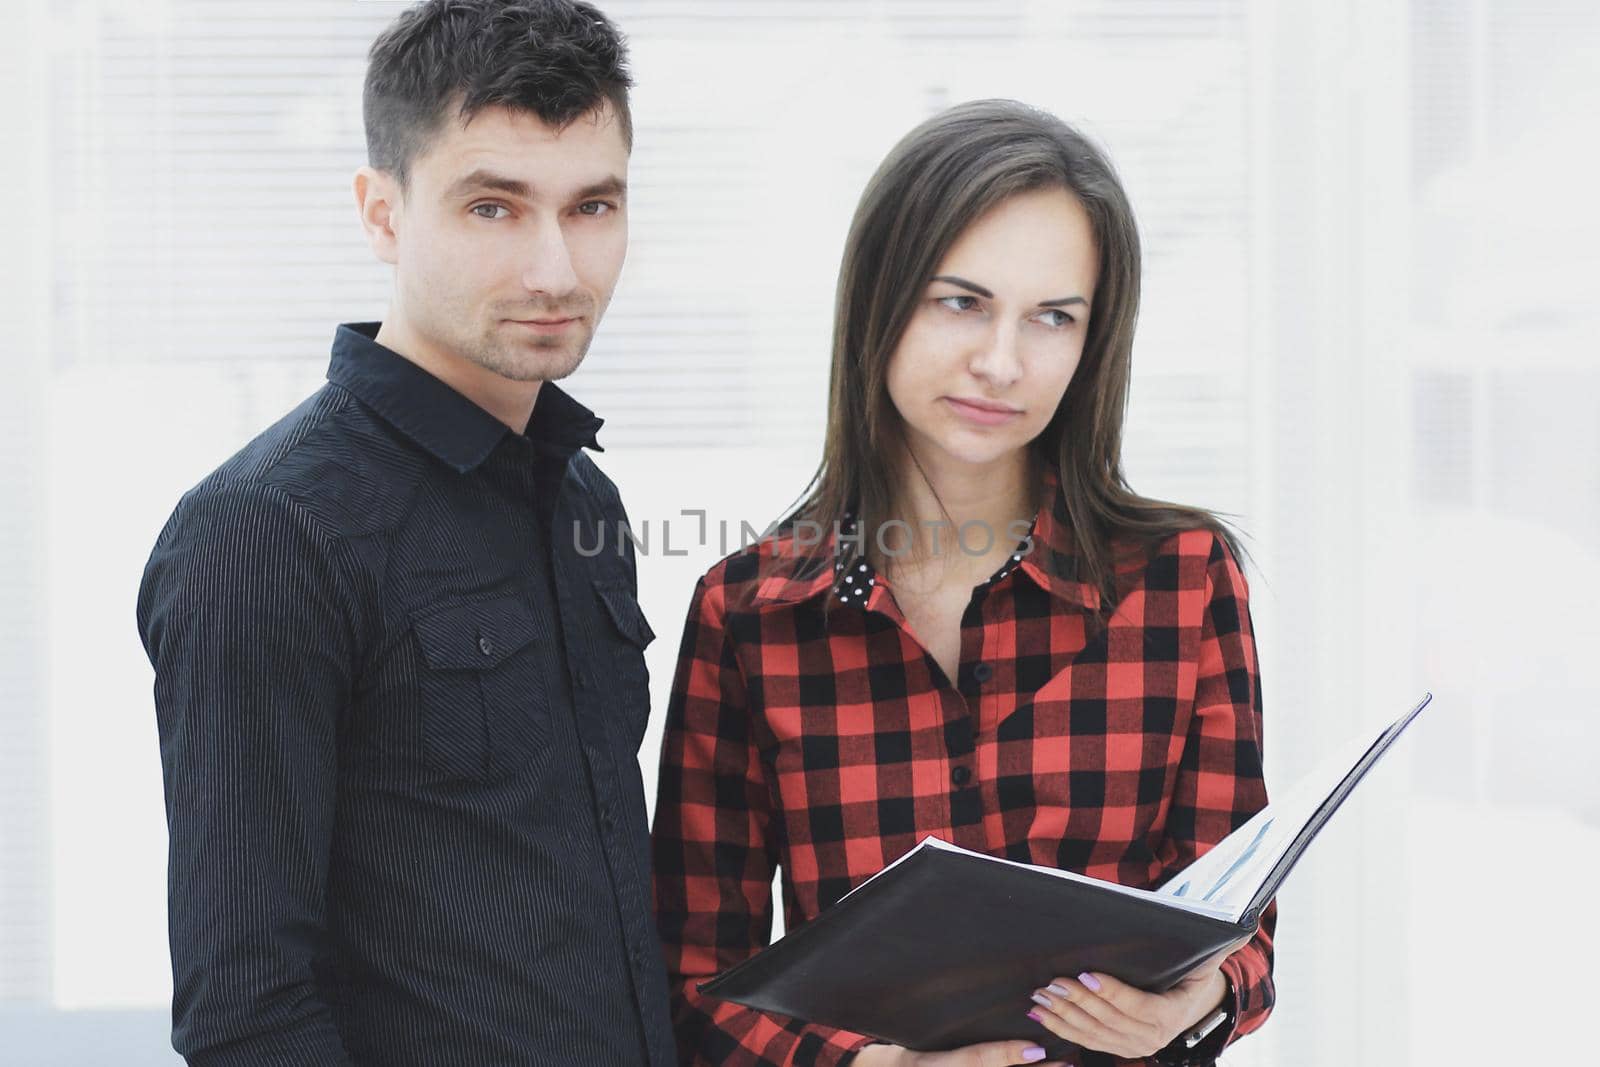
x=1033 y=1013
x=1041 y=1000
x=1033 y=1054
x=1090 y=980
x=1059 y=990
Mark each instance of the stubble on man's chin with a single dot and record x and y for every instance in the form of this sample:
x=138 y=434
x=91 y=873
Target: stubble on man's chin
x=537 y=359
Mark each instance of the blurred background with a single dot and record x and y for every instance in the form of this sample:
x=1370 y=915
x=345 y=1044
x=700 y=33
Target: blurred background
x=1368 y=334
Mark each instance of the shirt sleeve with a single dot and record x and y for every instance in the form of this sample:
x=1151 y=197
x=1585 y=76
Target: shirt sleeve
x=245 y=615
x=1220 y=783
x=714 y=858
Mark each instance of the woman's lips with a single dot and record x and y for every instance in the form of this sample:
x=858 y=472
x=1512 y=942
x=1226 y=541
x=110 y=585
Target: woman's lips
x=980 y=415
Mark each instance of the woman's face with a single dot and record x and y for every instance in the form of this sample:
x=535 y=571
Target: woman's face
x=998 y=332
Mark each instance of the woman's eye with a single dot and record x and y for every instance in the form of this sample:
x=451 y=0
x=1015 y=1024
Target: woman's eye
x=959 y=303
x=1057 y=319
x=492 y=207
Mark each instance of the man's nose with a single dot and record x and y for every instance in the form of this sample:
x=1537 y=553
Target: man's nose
x=548 y=265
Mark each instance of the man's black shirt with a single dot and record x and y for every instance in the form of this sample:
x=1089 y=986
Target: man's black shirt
x=400 y=702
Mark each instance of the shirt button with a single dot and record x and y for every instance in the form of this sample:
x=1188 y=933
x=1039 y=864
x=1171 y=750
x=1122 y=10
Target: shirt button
x=983 y=672
x=486 y=646
x=961 y=776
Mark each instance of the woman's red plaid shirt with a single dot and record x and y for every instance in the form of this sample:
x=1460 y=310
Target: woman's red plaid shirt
x=829 y=748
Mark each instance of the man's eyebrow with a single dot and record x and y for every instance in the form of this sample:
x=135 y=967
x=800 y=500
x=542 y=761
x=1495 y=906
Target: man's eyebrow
x=610 y=186
x=487 y=179
x=1060 y=301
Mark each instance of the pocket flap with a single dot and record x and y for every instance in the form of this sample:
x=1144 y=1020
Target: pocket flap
x=474 y=635
x=625 y=612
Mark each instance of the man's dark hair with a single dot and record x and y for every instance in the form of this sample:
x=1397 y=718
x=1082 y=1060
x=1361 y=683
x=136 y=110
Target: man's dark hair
x=558 y=59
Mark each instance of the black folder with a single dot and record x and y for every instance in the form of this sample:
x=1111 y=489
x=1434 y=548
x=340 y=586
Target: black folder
x=943 y=947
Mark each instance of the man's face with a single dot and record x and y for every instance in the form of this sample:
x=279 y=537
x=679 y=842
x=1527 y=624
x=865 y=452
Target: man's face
x=508 y=243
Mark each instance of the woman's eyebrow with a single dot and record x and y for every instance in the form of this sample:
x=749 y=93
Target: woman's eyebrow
x=1060 y=301
x=963 y=283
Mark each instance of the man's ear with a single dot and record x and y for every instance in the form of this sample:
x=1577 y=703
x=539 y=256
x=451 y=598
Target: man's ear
x=378 y=203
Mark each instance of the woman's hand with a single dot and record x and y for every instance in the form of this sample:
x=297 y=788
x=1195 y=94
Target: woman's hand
x=989 y=1054
x=1098 y=1012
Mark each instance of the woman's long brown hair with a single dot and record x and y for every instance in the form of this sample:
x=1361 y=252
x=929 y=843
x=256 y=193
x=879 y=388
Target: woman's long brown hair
x=937 y=181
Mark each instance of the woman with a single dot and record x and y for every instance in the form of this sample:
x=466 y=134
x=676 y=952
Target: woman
x=993 y=639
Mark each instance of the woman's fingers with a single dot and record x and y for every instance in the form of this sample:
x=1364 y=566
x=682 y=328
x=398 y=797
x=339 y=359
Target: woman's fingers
x=1114 y=1018
x=1108 y=1005
x=1071 y=1023
x=1092 y=990
x=988 y=1054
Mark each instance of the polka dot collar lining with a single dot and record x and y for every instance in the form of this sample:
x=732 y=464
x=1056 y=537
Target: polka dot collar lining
x=853 y=586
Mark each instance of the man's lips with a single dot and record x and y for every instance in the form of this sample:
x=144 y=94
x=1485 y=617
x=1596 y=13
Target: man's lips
x=544 y=325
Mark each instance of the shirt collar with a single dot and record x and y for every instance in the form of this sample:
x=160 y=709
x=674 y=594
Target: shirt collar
x=793 y=574
x=437 y=417
x=1052 y=561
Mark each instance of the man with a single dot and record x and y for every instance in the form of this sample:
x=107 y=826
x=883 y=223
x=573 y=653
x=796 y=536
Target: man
x=399 y=709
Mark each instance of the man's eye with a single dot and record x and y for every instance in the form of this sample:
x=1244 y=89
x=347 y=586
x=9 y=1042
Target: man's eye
x=492 y=207
x=596 y=207
x=955 y=303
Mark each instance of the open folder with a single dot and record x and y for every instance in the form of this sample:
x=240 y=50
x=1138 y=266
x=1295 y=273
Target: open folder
x=943 y=947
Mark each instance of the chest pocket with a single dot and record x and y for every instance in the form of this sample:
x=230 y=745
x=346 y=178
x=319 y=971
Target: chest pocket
x=483 y=705
x=623 y=655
